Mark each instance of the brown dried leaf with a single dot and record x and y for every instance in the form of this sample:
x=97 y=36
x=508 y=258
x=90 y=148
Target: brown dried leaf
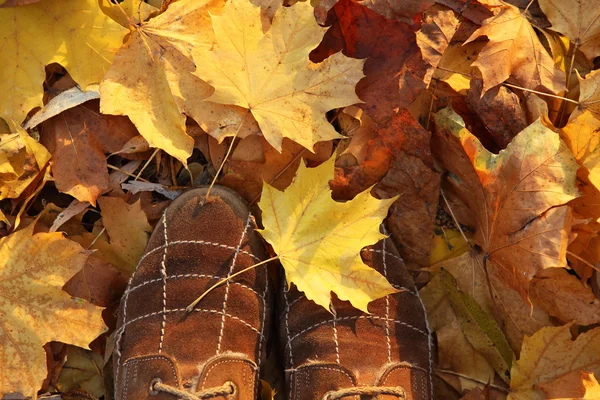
x=79 y=140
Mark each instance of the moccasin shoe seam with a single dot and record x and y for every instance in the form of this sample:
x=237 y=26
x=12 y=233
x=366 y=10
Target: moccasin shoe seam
x=135 y=361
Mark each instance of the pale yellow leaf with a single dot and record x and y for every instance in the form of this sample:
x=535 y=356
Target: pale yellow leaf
x=549 y=356
x=579 y=20
x=75 y=34
x=270 y=73
x=35 y=310
x=318 y=240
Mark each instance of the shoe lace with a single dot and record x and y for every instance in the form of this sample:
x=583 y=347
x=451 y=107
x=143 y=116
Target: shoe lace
x=156 y=387
x=366 y=391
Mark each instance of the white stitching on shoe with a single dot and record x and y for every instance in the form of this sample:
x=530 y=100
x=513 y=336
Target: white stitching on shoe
x=372 y=317
x=264 y=316
x=287 y=324
x=387 y=304
x=179 y=242
x=227 y=284
x=163 y=273
x=387 y=253
x=179 y=276
x=335 y=335
x=119 y=333
x=178 y=310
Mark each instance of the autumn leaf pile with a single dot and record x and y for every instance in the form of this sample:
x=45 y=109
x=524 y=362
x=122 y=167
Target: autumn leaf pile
x=470 y=128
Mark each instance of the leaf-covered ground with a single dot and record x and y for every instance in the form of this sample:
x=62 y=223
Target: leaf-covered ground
x=471 y=128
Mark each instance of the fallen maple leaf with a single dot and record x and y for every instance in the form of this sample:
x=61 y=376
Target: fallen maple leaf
x=578 y=20
x=551 y=362
x=515 y=195
x=394 y=68
x=564 y=297
x=286 y=93
x=22 y=159
x=151 y=79
x=512 y=45
x=79 y=140
x=318 y=240
x=581 y=136
x=35 y=310
x=76 y=35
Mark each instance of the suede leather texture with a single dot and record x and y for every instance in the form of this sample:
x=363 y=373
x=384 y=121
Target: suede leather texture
x=328 y=351
x=195 y=244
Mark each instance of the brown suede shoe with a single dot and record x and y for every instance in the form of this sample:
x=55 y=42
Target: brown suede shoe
x=350 y=354
x=217 y=349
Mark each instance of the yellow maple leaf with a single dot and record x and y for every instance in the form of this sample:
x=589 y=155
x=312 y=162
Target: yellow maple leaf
x=512 y=46
x=35 y=310
x=22 y=159
x=514 y=195
x=578 y=20
x=318 y=240
x=581 y=136
x=151 y=79
x=270 y=73
x=551 y=364
x=75 y=34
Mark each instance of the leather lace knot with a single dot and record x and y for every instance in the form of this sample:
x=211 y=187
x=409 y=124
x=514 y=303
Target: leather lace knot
x=366 y=391
x=156 y=387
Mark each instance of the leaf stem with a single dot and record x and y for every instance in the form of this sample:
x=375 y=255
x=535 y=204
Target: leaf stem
x=589 y=264
x=190 y=308
x=491 y=385
x=226 y=154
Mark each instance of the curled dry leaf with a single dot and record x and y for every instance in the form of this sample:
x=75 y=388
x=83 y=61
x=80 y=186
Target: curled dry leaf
x=550 y=359
x=37 y=31
x=578 y=20
x=128 y=232
x=500 y=111
x=516 y=195
x=285 y=92
x=318 y=240
x=22 y=159
x=82 y=370
x=35 y=310
x=437 y=29
x=79 y=139
x=512 y=44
